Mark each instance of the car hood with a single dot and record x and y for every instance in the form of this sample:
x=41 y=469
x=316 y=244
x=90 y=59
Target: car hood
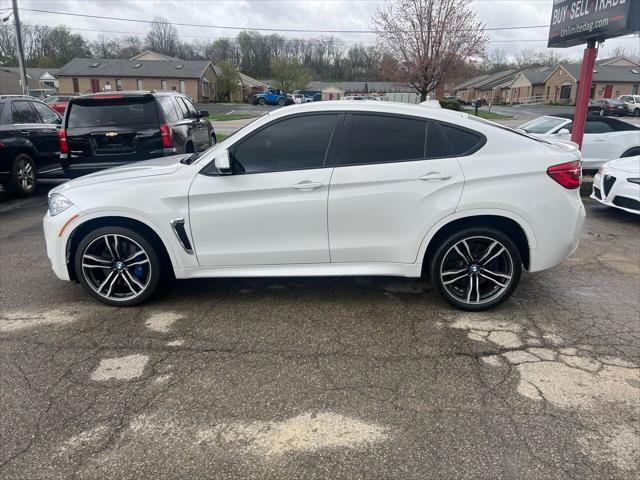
x=628 y=164
x=147 y=168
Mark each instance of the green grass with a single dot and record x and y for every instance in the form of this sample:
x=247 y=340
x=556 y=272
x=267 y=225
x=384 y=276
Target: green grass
x=221 y=117
x=487 y=115
x=220 y=137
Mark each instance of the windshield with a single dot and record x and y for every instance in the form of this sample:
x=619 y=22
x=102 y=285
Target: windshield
x=542 y=124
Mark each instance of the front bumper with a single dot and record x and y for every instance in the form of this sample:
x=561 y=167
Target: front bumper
x=56 y=234
x=611 y=188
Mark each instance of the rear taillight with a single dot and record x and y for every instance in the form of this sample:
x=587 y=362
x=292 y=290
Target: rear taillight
x=62 y=141
x=167 y=135
x=569 y=174
x=1 y=145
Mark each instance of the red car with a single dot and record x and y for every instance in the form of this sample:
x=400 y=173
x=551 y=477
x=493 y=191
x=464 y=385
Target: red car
x=59 y=102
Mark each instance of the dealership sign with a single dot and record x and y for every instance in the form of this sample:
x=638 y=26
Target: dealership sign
x=574 y=22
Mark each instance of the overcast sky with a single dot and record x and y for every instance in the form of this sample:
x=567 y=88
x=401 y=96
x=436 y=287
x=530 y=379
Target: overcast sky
x=322 y=15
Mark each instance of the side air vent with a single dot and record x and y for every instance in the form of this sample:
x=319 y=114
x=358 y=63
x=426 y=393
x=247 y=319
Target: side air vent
x=181 y=233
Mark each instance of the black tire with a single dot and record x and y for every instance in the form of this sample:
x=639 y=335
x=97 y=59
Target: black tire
x=262 y=102
x=188 y=148
x=477 y=238
x=214 y=139
x=281 y=102
x=23 y=177
x=88 y=280
x=636 y=112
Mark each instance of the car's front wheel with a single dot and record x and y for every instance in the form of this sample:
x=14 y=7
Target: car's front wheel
x=281 y=102
x=636 y=112
x=602 y=112
x=262 y=102
x=23 y=178
x=476 y=268
x=118 y=266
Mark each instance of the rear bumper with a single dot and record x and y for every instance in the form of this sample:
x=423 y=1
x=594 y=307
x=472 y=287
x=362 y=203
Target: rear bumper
x=77 y=166
x=558 y=225
x=619 y=194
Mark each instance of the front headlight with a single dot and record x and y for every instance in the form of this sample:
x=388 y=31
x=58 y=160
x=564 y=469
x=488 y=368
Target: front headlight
x=58 y=204
x=634 y=180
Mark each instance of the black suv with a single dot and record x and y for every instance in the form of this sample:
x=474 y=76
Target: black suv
x=105 y=130
x=28 y=143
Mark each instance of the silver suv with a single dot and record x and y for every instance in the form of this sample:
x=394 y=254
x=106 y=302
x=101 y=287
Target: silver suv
x=632 y=104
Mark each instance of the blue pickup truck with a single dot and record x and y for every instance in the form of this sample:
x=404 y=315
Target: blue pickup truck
x=273 y=97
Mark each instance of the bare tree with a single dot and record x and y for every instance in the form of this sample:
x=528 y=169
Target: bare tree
x=428 y=39
x=162 y=37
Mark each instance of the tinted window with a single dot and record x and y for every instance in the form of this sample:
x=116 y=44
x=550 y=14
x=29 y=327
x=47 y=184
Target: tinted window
x=169 y=109
x=112 y=112
x=21 y=112
x=461 y=141
x=292 y=144
x=184 y=111
x=46 y=114
x=595 y=126
x=187 y=107
x=381 y=138
x=436 y=145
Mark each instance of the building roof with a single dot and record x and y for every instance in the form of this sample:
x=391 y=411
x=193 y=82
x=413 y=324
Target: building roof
x=537 y=75
x=361 y=87
x=496 y=79
x=252 y=82
x=116 y=67
x=161 y=56
x=469 y=83
x=607 y=73
x=36 y=73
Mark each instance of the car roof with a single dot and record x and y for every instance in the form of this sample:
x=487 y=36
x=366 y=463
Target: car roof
x=126 y=94
x=396 y=108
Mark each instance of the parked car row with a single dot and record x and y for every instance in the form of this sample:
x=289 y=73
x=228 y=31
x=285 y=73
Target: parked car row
x=604 y=138
x=97 y=131
x=624 y=105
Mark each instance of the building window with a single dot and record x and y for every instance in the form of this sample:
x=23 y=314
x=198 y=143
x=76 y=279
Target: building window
x=119 y=84
x=163 y=84
x=183 y=88
x=139 y=84
x=634 y=89
x=565 y=92
x=592 y=92
x=76 y=87
x=205 y=88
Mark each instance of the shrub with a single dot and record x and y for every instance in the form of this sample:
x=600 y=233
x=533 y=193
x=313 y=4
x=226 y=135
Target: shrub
x=450 y=104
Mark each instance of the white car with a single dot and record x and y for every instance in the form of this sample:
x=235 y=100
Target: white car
x=431 y=104
x=298 y=98
x=605 y=138
x=632 y=102
x=617 y=184
x=376 y=189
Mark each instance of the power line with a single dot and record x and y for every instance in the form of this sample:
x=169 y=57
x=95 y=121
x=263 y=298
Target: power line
x=227 y=27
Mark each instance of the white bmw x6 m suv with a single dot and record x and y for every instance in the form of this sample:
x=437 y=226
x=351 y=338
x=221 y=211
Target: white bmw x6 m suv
x=375 y=188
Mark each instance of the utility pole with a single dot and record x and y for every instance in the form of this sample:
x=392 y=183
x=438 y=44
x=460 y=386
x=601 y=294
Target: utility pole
x=23 y=70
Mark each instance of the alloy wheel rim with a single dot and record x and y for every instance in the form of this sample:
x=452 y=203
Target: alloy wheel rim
x=476 y=270
x=116 y=267
x=25 y=175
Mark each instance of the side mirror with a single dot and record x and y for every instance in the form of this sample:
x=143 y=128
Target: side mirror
x=563 y=131
x=223 y=163
x=203 y=113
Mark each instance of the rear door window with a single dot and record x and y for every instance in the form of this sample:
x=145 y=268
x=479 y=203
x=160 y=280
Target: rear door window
x=47 y=115
x=22 y=112
x=105 y=113
x=462 y=141
x=596 y=126
x=169 y=109
x=382 y=139
x=187 y=108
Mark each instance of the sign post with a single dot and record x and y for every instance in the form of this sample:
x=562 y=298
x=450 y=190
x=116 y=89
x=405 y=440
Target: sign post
x=574 y=22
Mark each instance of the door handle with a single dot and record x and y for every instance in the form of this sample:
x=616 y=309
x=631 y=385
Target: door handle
x=435 y=176
x=25 y=133
x=306 y=185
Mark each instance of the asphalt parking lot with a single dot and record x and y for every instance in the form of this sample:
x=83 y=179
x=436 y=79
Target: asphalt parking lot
x=322 y=378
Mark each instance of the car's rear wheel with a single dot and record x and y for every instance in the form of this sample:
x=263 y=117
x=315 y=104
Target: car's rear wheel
x=476 y=269
x=636 y=112
x=262 y=102
x=281 y=102
x=602 y=112
x=214 y=139
x=23 y=178
x=118 y=266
